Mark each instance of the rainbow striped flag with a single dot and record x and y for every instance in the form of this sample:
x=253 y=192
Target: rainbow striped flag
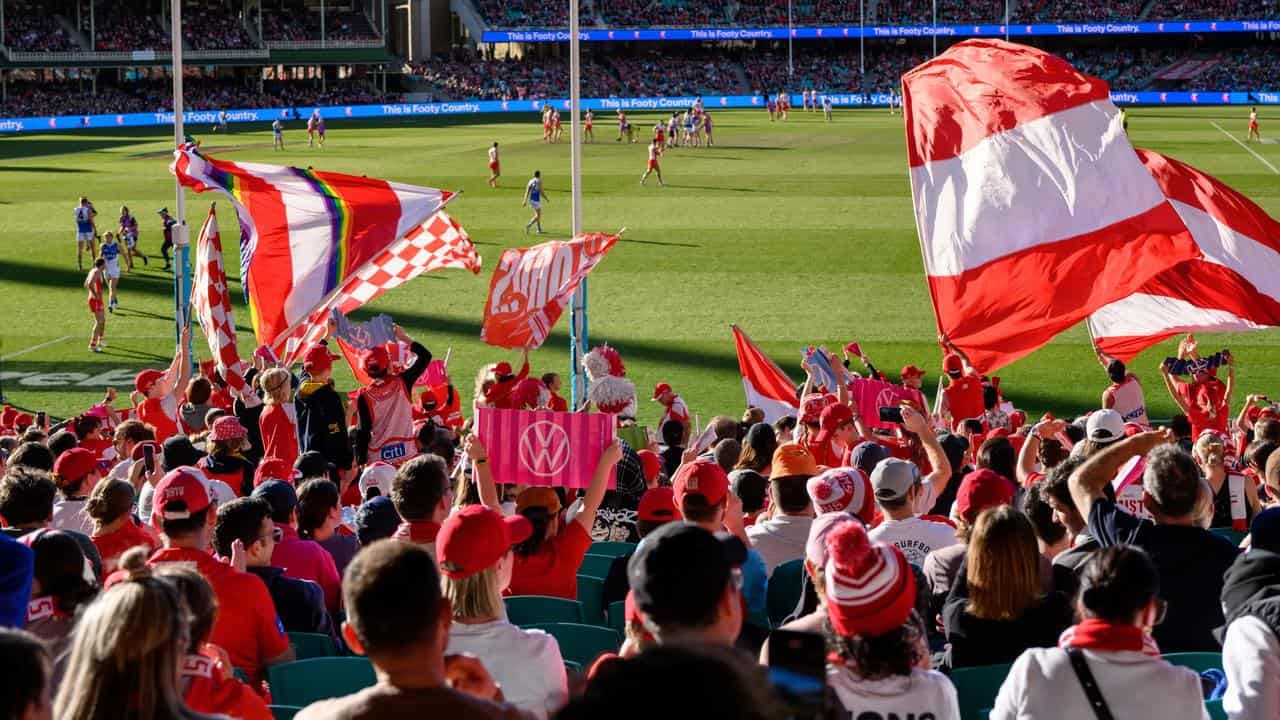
x=303 y=233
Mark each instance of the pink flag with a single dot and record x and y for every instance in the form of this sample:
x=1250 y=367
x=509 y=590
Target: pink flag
x=545 y=448
x=871 y=395
x=211 y=304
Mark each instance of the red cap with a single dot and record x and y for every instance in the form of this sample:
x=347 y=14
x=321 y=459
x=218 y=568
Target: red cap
x=374 y=360
x=1017 y=419
x=23 y=420
x=274 y=468
x=658 y=505
x=503 y=369
x=659 y=389
x=318 y=359
x=700 y=477
x=1131 y=429
x=651 y=463
x=476 y=537
x=911 y=371
x=833 y=417
x=952 y=363
x=1269 y=414
x=179 y=495
x=74 y=465
x=982 y=489
x=143 y=381
x=8 y=415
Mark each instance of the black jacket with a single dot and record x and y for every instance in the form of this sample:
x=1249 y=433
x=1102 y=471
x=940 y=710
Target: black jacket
x=322 y=422
x=299 y=603
x=1254 y=576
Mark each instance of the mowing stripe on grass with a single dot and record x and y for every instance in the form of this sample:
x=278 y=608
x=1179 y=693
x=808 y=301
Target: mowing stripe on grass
x=1247 y=149
x=33 y=348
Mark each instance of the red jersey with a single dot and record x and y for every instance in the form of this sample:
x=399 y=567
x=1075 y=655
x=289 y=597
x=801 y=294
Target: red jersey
x=113 y=544
x=823 y=453
x=553 y=571
x=391 y=436
x=156 y=413
x=964 y=398
x=279 y=428
x=442 y=403
x=558 y=404
x=1197 y=395
x=209 y=690
x=306 y=560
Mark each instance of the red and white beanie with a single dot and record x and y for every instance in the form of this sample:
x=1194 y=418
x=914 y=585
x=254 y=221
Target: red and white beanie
x=812 y=405
x=870 y=586
x=843 y=489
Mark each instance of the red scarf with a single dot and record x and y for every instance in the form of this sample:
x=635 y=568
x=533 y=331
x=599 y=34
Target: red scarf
x=1094 y=634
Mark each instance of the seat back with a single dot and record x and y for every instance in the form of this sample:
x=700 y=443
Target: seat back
x=581 y=644
x=303 y=682
x=612 y=549
x=618 y=617
x=591 y=598
x=785 y=586
x=526 y=609
x=596 y=565
x=312 y=645
x=976 y=688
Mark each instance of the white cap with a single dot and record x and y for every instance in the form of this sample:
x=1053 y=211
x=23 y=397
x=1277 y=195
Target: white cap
x=379 y=475
x=1104 y=426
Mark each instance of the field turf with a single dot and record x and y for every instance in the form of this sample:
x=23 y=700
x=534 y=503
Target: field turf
x=801 y=232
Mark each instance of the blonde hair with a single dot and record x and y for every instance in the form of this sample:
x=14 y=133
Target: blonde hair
x=1004 y=565
x=484 y=381
x=1209 y=450
x=127 y=650
x=477 y=596
x=275 y=386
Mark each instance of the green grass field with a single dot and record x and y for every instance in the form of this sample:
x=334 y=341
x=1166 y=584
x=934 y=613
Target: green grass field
x=801 y=232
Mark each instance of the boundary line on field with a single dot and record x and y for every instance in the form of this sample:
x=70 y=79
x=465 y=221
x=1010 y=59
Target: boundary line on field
x=33 y=348
x=1247 y=149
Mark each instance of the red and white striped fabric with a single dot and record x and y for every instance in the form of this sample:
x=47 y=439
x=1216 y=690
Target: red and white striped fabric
x=1236 y=286
x=211 y=304
x=437 y=244
x=764 y=383
x=1033 y=210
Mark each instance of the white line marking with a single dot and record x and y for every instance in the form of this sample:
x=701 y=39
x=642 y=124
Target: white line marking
x=1248 y=149
x=33 y=348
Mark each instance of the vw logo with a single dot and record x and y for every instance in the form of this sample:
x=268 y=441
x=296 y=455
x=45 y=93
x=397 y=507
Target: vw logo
x=544 y=448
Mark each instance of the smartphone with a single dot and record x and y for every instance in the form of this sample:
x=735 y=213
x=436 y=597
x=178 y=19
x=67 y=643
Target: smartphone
x=149 y=458
x=891 y=414
x=798 y=672
x=40 y=419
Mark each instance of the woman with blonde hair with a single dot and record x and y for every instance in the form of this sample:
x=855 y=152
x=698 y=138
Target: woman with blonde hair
x=279 y=421
x=127 y=650
x=1235 y=497
x=997 y=607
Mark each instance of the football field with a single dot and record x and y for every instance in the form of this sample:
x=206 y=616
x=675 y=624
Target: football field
x=801 y=232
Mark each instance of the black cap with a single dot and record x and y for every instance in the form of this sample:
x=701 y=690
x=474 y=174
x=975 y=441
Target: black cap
x=178 y=451
x=679 y=572
x=279 y=495
x=376 y=519
x=313 y=464
x=866 y=455
x=1265 y=530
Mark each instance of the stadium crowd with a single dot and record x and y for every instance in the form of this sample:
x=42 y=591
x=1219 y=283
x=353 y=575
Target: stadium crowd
x=175 y=554
x=214 y=27
x=27 y=28
x=122 y=31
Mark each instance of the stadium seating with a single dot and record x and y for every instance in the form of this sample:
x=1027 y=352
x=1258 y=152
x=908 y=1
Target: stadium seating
x=581 y=643
x=785 y=587
x=614 y=549
x=312 y=645
x=527 y=609
x=596 y=565
x=284 y=712
x=976 y=688
x=303 y=682
x=591 y=598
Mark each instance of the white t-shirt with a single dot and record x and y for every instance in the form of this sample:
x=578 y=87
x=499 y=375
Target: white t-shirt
x=526 y=663
x=70 y=515
x=780 y=539
x=922 y=694
x=916 y=538
x=1251 y=659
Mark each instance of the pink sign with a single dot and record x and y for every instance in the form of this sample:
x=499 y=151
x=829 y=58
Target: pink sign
x=871 y=395
x=557 y=449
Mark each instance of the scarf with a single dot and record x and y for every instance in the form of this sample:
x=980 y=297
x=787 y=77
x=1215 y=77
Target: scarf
x=1100 y=635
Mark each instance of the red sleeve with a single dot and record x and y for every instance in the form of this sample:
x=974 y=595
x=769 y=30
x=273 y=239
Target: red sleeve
x=524 y=371
x=279 y=437
x=330 y=582
x=575 y=541
x=272 y=641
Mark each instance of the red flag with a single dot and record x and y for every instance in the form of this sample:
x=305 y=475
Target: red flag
x=764 y=383
x=531 y=288
x=558 y=449
x=1033 y=210
x=211 y=304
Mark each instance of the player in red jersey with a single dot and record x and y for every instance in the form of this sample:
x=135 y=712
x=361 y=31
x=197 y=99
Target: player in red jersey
x=1254 y=135
x=546 y=123
x=494 y=167
x=93 y=282
x=556 y=130
x=655 y=151
x=659 y=134
x=587 y=134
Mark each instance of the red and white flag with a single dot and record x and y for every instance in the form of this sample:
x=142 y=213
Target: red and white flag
x=532 y=286
x=763 y=382
x=1032 y=209
x=211 y=304
x=1235 y=287
x=437 y=244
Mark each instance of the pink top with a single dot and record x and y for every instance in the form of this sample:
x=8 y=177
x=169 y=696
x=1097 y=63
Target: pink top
x=307 y=560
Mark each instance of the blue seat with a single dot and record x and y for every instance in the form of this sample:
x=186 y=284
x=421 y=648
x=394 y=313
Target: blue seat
x=303 y=682
x=591 y=599
x=581 y=644
x=976 y=688
x=596 y=565
x=312 y=645
x=525 y=609
x=785 y=586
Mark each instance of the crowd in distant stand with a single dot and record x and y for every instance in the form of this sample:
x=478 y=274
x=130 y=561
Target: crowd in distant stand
x=211 y=27
x=121 y=31
x=29 y=29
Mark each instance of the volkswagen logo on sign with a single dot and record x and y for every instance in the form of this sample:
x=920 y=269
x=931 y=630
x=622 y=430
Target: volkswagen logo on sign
x=887 y=398
x=544 y=448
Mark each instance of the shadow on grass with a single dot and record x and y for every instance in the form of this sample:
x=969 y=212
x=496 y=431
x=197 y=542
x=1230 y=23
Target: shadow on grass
x=659 y=242
x=41 y=169
x=24 y=273
x=28 y=147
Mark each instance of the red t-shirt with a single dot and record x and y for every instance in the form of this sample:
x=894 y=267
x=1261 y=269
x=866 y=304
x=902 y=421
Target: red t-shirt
x=964 y=398
x=823 y=452
x=1216 y=392
x=553 y=571
x=208 y=690
x=558 y=404
x=247 y=626
x=152 y=411
x=113 y=544
x=279 y=434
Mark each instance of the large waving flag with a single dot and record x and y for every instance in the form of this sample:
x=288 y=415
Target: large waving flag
x=303 y=233
x=1033 y=210
x=211 y=303
x=1236 y=286
x=764 y=383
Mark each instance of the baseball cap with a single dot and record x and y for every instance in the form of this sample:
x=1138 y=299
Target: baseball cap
x=911 y=371
x=659 y=389
x=376 y=519
x=502 y=369
x=374 y=360
x=892 y=478
x=866 y=455
x=377 y=475
x=833 y=417
x=178 y=451
x=23 y=420
x=680 y=571
x=274 y=468
x=658 y=505
x=952 y=363
x=318 y=359
x=700 y=477
x=751 y=487
x=815 y=548
x=543 y=497
x=279 y=494
x=871 y=589
x=179 y=495
x=313 y=464
x=812 y=405
x=842 y=489
x=475 y=538
x=74 y=465
x=981 y=489
x=792 y=460
x=227 y=427
x=1104 y=426
x=143 y=381
x=650 y=463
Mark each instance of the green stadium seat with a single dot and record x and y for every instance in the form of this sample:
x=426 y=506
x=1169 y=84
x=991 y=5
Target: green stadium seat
x=241 y=676
x=571 y=667
x=1235 y=536
x=1198 y=661
x=591 y=599
x=526 y=609
x=784 y=590
x=618 y=617
x=1214 y=708
x=596 y=565
x=312 y=645
x=581 y=643
x=976 y=688
x=284 y=712
x=612 y=549
x=303 y=682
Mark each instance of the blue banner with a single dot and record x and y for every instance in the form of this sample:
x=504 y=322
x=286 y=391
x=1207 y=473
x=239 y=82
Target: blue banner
x=1172 y=27
x=195 y=119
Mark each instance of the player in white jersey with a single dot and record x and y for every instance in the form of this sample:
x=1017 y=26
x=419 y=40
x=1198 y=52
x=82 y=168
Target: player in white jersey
x=86 y=231
x=311 y=128
x=655 y=152
x=222 y=121
x=533 y=197
x=673 y=128
x=495 y=169
x=111 y=268
x=129 y=233
x=277 y=135
x=1254 y=135
x=826 y=106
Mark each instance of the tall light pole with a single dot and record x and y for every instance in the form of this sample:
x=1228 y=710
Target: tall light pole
x=862 y=61
x=935 y=28
x=578 y=308
x=790 y=35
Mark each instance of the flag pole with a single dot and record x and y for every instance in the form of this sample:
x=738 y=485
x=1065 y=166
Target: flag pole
x=578 y=308
x=181 y=240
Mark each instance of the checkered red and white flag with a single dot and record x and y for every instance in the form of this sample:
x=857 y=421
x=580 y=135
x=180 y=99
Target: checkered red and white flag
x=211 y=304
x=437 y=244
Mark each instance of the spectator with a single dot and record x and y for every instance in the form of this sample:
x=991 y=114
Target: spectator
x=673 y=447
x=422 y=496
x=686 y=585
x=384 y=429
x=1119 y=601
x=278 y=423
x=301 y=559
x=25 y=687
x=757 y=449
x=320 y=520
x=16 y=567
x=175 y=452
x=197 y=405
x=114 y=531
x=130 y=434
x=1235 y=497
x=752 y=490
x=322 y=416
x=32 y=455
x=1255 y=574
x=998 y=606
x=59 y=590
x=782 y=537
x=1054 y=491
x=26 y=504
x=76 y=472
x=898 y=490
x=376 y=480
x=1191 y=561
x=376 y=519
x=980 y=489
x=476 y=562
x=226 y=444
x=815 y=567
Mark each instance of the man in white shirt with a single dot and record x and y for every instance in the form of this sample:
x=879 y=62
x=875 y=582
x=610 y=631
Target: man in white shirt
x=783 y=536
x=75 y=473
x=898 y=487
